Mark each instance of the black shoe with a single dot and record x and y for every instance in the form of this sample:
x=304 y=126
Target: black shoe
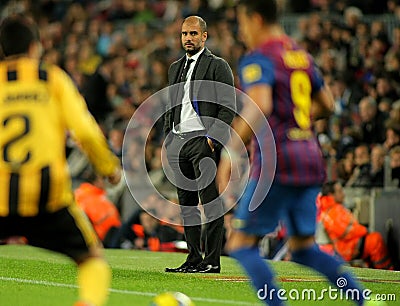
x=182 y=269
x=204 y=268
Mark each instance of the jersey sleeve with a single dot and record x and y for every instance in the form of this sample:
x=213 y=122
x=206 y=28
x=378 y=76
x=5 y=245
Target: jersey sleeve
x=256 y=69
x=82 y=125
x=316 y=78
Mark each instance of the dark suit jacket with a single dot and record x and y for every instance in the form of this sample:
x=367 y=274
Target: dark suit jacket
x=212 y=88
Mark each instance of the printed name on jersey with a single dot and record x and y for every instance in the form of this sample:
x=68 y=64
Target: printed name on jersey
x=251 y=73
x=296 y=59
x=297 y=134
x=26 y=97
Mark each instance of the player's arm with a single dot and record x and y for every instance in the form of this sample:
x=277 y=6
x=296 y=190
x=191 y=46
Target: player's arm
x=258 y=106
x=323 y=103
x=84 y=128
x=257 y=77
x=226 y=96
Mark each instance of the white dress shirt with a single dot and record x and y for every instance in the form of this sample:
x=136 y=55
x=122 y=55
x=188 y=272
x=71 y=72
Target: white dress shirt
x=190 y=120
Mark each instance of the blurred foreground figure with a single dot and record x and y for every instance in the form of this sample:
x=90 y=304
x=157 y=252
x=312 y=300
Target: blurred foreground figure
x=38 y=106
x=283 y=82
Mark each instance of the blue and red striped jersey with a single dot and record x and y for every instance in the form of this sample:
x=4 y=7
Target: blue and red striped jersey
x=291 y=73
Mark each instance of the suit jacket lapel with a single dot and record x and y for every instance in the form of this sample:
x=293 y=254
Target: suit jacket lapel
x=200 y=72
x=202 y=65
x=173 y=76
x=177 y=70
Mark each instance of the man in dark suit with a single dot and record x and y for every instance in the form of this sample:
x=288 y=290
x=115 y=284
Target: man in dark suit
x=201 y=108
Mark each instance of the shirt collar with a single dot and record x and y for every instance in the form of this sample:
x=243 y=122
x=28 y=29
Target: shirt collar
x=196 y=56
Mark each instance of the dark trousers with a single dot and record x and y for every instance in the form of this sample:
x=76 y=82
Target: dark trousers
x=194 y=166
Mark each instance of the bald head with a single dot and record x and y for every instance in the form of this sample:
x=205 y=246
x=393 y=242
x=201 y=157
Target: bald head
x=194 y=34
x=367 y=109
x=196 y=20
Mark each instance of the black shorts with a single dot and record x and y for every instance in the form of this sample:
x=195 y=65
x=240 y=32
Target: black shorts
x=67 y=231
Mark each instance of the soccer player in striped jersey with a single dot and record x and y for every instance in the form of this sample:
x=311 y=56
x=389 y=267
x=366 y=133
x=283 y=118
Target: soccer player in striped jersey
x=39 y=105
x=282 y=80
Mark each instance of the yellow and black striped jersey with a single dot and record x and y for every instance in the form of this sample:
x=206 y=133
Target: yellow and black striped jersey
x=39 y=105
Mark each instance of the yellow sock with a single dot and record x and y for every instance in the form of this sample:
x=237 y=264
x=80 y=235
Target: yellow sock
x=94 y=278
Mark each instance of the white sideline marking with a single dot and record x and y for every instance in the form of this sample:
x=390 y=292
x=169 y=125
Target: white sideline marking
x=46 y=283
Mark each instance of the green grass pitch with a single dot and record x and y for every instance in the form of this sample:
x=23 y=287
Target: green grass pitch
x=32 y=277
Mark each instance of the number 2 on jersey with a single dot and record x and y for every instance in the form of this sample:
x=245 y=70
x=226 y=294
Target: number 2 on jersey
x=300 y=88
x=8 y=123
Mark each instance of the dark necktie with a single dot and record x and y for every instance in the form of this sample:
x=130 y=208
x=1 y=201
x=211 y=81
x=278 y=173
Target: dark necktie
x=185 y=71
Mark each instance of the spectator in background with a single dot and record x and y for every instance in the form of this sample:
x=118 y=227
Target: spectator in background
x=349 y=238
x=394 y=114
x=142 y=12
x=52 y=57
x=116 y=139
x=88 y=60
x=158 y=74
x=74 y=13
x=102 y=213
x=378 y=48
x=121 y=106
x=349 y=138
x=392 y=68
x=361 y=173
x=393 y=51
x=322 y=133
x=395 y=164
x=70 y=65
x=385 y=105
x=345 y=167
x=104 y=40
x=378 y=154
x=327 y=61
x=372 y=121
x=352 y=17
x=392 y=135
x=385 y=90
x=95 y=91
x=346 y=94
x=301 y=30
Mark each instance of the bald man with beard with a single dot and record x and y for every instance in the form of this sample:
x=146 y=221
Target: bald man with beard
x=195 y=132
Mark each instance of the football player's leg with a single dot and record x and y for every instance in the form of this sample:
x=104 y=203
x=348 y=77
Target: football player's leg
x=242 y=245
x=301 y=222
x=94 y=273
x=94 y=277
x=69 y=232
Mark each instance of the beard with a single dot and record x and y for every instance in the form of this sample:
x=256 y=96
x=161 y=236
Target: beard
x=192 y=51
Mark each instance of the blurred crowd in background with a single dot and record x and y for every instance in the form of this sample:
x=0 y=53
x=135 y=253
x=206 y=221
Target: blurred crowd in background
x=118 y=53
